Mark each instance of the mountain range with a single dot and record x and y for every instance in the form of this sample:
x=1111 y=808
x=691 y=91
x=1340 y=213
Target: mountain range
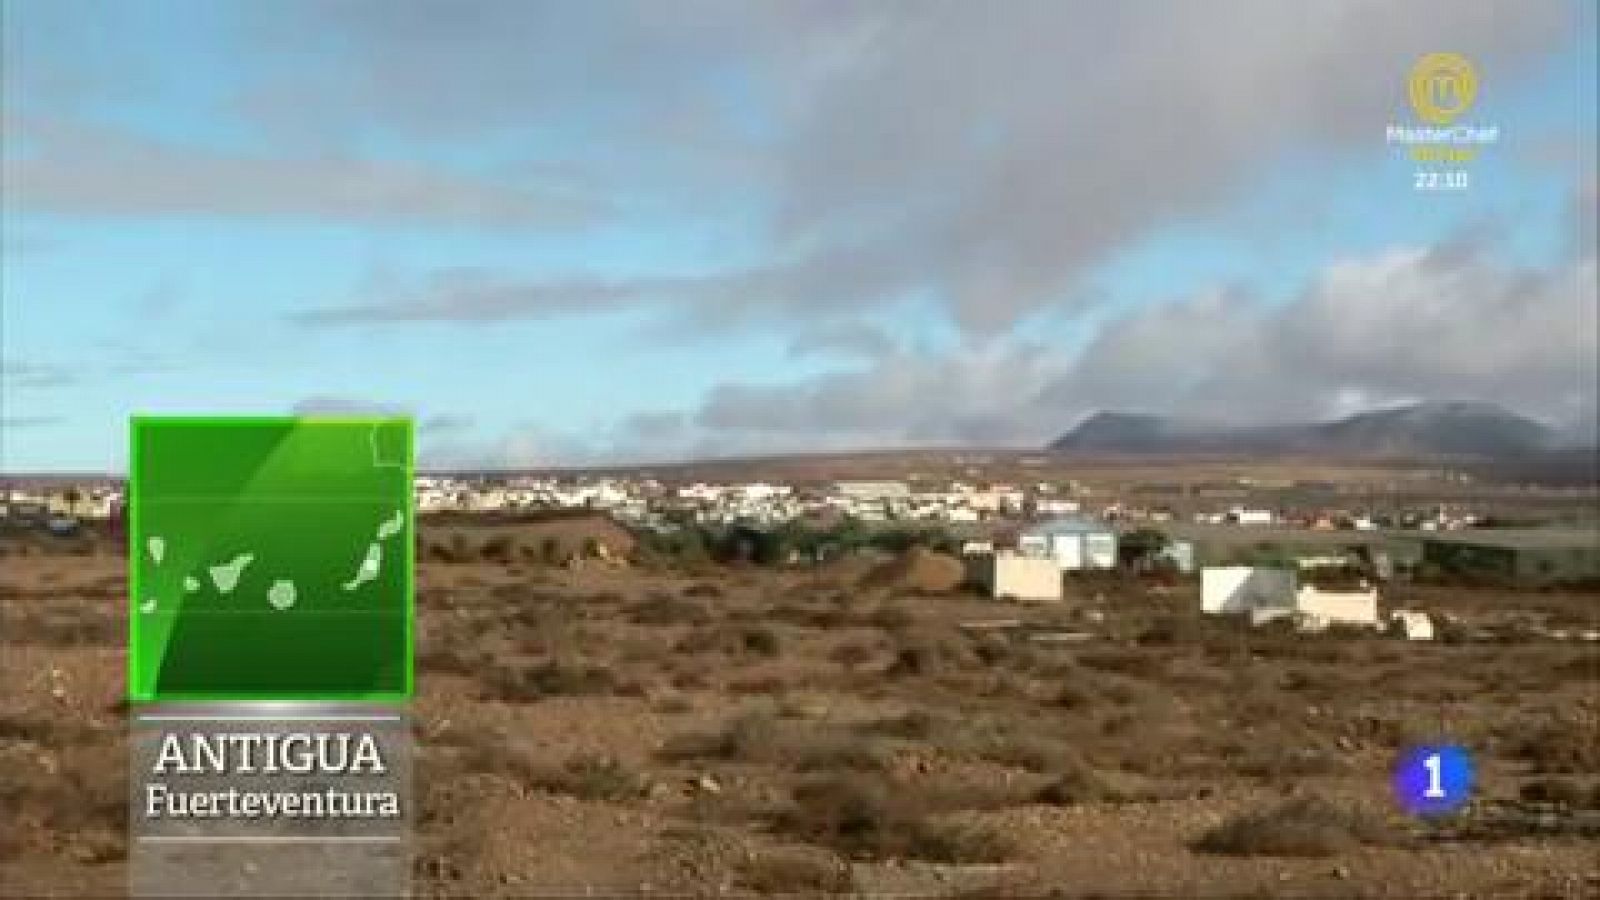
x=1475 y=430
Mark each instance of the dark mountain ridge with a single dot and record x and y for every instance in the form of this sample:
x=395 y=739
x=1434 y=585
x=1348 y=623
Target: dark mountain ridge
x=1479 y=430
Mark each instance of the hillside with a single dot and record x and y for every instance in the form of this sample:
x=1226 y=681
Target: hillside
x=1477 y=430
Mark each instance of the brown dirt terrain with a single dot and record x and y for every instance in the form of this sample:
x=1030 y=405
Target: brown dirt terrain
x=609 y=730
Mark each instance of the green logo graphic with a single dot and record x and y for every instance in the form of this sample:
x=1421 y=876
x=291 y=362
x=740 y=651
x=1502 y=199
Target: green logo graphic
x=270 y=559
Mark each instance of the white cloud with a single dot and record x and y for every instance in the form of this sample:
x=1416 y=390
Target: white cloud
x=1443 y=323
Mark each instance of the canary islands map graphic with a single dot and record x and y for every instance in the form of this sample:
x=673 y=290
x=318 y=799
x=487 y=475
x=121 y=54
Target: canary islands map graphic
x=270 y=559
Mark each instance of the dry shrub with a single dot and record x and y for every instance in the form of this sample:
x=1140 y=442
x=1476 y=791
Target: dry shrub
x=674 y=705
x=1558 y=791
x=83 y=802
x=1564 y=746
x=667 y=610
x=761 y=642
x=453 y=548
x=996 y=650
x=1080 y=784
x=449 y=659
x=702 y=589
x=485 y=750
x=1306 y=826
x=1288 y=761
x=790 y=871
x=836 y=750
x=916 y=725
x=1581 y=666
x=1002 y=743
x=761 y=737
x=852 y=655
x=596 y=778
x=865 y=818
x=1030 y=753
x=746 y=640
x=17 y=726
x=744 y=737
x=65 y=628
x=497 y=549
x=1320 y=682
x=689 y=680
x=923 y=653
x=1174 y=630
x=1076 y=697
x=770 y=684
x=891 y=617
x=525 y=683
x=1133 y=663
x=804 y=616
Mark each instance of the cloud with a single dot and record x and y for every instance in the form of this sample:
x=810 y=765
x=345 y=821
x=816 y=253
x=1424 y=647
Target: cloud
x=341 y=405
x=846 y=338
x=110 y=358
x=1446 y=322
x=1451 y=321
x=989 y=161
x=441 y=423
x=19 y=374
x=522 y=446
x=1441 y=323
x=472 y=296
x=969 y=396
x=73 y=169
x=856 y=160
x=758 y=294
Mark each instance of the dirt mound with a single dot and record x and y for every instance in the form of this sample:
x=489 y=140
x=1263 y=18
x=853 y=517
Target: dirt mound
x=919 y=569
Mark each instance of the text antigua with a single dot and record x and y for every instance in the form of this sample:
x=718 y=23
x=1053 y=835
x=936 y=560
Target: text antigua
x=251 y=753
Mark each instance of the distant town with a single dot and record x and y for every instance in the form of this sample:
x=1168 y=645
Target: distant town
x=1142 y=524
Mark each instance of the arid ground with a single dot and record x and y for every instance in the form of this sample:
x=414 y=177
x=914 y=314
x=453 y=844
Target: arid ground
x=614 y=729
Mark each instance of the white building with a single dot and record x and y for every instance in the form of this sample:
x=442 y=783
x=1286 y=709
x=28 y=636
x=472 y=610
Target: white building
x=1253 y=516
x=1316 y=609
x=1074 y=544
x=1057 y=507
x=1020 y=577
x=1265 y=594
x=872 y=490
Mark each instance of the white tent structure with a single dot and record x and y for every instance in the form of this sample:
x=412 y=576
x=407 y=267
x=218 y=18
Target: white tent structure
x=1240 y=589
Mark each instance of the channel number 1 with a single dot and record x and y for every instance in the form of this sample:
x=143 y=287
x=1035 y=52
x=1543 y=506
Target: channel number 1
x=1435 y=767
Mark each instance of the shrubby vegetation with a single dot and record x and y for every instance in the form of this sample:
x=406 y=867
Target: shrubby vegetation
x=790 y=543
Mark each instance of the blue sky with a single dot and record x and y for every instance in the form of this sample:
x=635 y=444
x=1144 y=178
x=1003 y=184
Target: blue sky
x=558 y=233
